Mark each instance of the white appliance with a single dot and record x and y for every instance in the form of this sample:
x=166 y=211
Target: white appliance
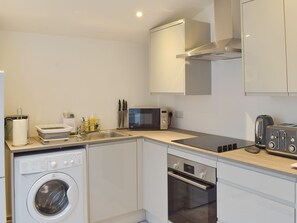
x=50 y=187
x=2 y=173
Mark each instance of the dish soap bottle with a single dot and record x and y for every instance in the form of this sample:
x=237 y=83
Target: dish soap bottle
x=92 y=123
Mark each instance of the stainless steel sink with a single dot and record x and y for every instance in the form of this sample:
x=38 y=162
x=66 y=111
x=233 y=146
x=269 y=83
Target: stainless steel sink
x=103 y=134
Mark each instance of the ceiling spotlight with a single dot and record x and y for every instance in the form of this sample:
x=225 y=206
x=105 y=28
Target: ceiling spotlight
x=139 y=14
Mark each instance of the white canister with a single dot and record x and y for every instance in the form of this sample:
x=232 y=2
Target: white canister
x=19 y=132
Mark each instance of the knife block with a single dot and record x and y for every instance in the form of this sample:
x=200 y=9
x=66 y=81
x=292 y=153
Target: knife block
x=122 y=119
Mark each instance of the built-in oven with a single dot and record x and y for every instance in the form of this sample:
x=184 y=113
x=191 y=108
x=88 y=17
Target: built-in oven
x=191 y=191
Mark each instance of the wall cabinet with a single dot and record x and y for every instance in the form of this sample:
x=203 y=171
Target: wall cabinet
x=269 y=46
x=112 y=179
x=169 y=74
x=2 y=159
x=264 y=53
x=291 y=36
x=155 y=181
x=249 y=195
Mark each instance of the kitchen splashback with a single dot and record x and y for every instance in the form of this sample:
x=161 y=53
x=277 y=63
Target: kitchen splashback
x=227 y=111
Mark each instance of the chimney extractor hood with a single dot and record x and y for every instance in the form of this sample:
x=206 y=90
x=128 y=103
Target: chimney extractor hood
x=227 y=32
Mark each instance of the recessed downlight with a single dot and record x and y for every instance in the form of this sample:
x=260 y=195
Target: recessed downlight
x=139 y=14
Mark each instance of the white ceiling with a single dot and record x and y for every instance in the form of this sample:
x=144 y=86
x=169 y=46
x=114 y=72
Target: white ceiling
x=105 y=19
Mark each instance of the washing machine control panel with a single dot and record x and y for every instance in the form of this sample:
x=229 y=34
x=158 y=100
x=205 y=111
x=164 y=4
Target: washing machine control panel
x=51 y=162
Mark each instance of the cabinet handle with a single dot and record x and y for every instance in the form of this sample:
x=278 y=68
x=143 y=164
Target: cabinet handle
x=195 y=184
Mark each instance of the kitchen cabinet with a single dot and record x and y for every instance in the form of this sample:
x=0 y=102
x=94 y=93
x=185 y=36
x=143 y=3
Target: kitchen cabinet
x=291 y=36
x=296 y=202
x=169 y=74
x=112 y=179
x=269 y=47
x=248 y=195
x=155 y=181
x=264 y=49
x=2 y=199
x=2 y=160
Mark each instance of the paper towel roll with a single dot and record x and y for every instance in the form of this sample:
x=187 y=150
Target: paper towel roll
x=19 y=132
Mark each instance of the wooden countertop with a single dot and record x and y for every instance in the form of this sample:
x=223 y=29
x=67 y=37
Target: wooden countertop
x=263 y=159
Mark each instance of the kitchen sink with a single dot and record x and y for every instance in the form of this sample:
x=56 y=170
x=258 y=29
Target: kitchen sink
x=103 y=134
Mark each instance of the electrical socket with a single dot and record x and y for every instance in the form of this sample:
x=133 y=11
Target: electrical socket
x=179 y=114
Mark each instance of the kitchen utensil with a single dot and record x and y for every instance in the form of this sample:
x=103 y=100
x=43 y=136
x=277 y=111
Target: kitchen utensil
x=261 y=124
x=120 y=115
x=53 y=132
x=20 y=129
x=124 y=115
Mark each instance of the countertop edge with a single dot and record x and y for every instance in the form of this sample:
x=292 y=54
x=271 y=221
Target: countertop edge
x=264 y=161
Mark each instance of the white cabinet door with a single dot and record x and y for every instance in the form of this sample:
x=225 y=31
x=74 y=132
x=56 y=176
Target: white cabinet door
x=264 y=53
x=2 y=201
x=112 y=179
x=236 y=205
x=155 y=181
x=1 y=125
x=291 y=37
x=2 y=179
x=167 y=73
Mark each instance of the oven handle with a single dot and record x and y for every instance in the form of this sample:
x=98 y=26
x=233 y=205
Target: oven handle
x=195 y=184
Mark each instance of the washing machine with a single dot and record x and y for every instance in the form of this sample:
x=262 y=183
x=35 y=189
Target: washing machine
x=50 y=187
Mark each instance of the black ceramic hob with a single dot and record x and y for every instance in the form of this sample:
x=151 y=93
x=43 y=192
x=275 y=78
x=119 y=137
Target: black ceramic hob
x=215 y=143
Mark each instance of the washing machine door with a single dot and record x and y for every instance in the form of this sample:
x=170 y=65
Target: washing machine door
x=52 y=198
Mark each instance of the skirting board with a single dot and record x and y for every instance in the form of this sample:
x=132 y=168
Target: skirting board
x=136 y=216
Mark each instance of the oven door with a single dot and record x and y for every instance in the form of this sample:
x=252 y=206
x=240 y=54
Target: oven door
x=190 y=200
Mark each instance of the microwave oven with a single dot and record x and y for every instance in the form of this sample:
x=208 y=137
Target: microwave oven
x=148 y=118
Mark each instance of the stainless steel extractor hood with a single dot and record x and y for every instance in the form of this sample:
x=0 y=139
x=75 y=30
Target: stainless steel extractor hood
x=227 y=44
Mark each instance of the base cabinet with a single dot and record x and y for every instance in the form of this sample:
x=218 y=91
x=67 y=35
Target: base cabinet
x=2 y=201
x=237 y=205
x=112 y=179
x=155 y=182
x=251 y=196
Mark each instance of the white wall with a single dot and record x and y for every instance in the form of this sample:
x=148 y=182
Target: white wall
x=46 y=75
x=227 y=111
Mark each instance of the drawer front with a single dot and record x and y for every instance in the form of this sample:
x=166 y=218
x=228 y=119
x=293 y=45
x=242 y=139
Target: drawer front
x=257 y=181
x=235 y=205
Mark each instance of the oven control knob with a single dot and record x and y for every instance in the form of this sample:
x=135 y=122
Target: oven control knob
x=271 y=145
x=176 y=165
x=292 y=140
x=53 y=164
x=72 y=161
x=203 y=175
x=292 y=148
x=272 y=137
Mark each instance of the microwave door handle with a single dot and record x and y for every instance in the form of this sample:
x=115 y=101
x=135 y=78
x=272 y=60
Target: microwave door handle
x=195 y=184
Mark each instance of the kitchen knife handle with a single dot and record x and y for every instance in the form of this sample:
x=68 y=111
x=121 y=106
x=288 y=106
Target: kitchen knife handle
x=120 y=107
